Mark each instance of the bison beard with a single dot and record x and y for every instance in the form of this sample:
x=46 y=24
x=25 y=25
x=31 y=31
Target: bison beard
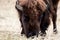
x=34 y=19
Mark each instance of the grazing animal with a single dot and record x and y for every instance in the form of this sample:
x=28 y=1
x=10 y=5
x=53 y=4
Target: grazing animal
x=30 y=16
x=34 y=15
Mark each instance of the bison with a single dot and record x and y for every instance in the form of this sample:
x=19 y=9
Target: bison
x=34 y=15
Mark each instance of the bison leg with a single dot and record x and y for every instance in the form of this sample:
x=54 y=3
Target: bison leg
x=54 y=22
x=44 y=27
x=54 y=18
x=44 y=23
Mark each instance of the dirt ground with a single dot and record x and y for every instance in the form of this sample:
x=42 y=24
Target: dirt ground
x=10 y=27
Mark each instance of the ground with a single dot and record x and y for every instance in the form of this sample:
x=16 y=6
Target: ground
x=10 y=27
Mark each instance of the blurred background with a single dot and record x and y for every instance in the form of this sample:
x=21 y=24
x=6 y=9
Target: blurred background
x=10 y=27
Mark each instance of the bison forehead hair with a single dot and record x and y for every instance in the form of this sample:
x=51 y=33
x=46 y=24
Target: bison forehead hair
x=31 y=3
x=34 y=7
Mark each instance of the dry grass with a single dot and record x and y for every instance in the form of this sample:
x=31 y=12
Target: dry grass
x=10 y=26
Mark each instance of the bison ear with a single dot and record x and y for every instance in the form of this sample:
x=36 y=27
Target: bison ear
x=19 y=7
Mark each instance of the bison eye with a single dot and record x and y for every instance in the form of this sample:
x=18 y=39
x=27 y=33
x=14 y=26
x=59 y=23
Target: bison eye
x=26 y=19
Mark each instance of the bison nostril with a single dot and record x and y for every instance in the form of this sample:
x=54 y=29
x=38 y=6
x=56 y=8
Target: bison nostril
x=30 y=34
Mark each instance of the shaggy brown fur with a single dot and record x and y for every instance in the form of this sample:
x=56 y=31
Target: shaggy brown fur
x=51 y=10
x=35 y=17
x=30 y=17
